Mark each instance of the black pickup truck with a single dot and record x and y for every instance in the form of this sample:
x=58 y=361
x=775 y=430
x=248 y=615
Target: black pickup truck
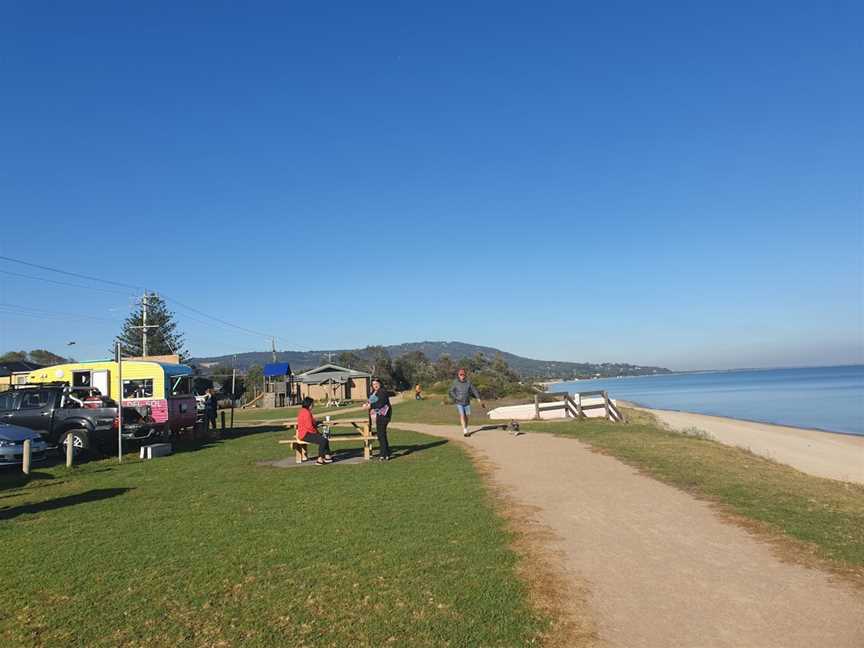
x=53 y=411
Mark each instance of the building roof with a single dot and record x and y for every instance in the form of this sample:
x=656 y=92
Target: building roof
x=18 y=366
x=277 y=369
x=330 y=372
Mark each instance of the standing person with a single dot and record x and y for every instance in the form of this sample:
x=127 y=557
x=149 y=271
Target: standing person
x=307 y=430
x=381 y=412
x=210 y=406
x=418 y=392
x=460 y=393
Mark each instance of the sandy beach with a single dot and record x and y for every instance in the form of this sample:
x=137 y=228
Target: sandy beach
x=824 y=454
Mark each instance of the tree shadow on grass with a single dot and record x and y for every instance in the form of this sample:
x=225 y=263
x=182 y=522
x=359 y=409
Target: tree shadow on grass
x=16 y=479
x=396 y=451
x=239 y=432
x=94 y=495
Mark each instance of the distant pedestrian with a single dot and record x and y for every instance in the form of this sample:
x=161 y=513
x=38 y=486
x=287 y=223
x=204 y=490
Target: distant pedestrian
x=210 y=407
x=418 y=392
x=380 y=412
x=460 y=393
x=307 y=430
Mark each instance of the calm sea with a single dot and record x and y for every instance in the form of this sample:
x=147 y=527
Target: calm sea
x=825 y=398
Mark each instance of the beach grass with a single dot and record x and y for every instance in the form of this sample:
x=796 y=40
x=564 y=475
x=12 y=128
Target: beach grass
x=824 y=514
x=209 y=548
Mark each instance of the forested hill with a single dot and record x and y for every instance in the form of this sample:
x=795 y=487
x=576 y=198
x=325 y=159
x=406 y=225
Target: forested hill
x=526 y=367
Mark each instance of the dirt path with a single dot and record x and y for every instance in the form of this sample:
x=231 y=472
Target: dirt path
x=662 y=568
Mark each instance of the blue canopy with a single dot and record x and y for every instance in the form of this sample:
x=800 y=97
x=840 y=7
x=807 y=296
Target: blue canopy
x=277 y=369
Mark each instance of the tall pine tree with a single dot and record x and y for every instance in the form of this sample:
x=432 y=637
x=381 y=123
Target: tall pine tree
x=163 y=338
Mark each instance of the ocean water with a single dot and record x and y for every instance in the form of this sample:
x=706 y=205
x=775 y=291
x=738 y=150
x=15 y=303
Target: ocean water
x=824 y=398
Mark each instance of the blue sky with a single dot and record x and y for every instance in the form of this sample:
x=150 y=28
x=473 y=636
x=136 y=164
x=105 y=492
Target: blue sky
x=659 y=184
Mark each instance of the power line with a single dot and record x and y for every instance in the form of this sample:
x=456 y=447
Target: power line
x=63 y=283
x=130 y=286
x=216 y=319
x=136 y=288
x=23 y=310
x=71 y=274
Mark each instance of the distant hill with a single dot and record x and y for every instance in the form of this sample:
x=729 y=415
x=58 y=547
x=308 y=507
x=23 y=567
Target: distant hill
x=526 y=367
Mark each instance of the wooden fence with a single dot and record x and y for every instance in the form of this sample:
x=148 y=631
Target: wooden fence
x=574 y=408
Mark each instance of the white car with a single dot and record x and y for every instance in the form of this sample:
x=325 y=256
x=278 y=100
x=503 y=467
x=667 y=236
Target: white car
x=12 y=439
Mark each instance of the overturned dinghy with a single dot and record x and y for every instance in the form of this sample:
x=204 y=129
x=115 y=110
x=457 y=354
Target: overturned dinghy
x=585 y=405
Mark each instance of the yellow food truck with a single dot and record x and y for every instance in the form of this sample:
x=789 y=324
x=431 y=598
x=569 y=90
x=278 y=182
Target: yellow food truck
x=166 y=389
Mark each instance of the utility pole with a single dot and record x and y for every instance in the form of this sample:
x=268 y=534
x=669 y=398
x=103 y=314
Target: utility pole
x=233 y=390
x=144 y=323
x=144 y=326
x=273 y=346
x=119 y=354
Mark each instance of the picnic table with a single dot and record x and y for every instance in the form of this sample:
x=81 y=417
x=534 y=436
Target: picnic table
x=362 y=432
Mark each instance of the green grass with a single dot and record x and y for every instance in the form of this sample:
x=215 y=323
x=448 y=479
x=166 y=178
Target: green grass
x=207 y=548
x=260 y=414
x=436 y=411
x=826 y=513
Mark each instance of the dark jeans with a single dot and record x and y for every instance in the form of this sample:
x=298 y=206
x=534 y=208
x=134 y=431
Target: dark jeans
x=210 y=419
x=381 y=423
x=320 y=440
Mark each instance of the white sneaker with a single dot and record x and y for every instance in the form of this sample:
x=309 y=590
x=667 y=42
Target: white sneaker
x=465 y=432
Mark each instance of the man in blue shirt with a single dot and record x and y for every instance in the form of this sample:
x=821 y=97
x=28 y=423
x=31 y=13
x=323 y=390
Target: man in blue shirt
x=460 y=393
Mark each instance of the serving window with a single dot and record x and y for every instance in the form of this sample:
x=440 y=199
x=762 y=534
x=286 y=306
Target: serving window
x=180 y=386
x=138 y=388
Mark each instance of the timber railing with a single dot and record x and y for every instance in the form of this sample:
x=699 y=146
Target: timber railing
x=574 y=407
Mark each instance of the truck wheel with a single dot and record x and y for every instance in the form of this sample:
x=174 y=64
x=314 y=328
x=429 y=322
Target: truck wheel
x=80 y=443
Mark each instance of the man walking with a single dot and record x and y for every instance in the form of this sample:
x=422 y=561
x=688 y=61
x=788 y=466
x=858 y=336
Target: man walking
x=460 y=393
x=210 y=407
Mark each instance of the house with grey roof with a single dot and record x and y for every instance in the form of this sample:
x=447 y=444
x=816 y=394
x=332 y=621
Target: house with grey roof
x=331 y=382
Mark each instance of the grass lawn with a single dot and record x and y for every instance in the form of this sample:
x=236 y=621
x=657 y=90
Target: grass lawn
x=436 y=411
x=827 y=514
x=207 y=548
x=279 y=413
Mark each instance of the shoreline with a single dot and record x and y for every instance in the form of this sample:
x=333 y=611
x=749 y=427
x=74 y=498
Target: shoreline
x=637 y=405
x=822 y=453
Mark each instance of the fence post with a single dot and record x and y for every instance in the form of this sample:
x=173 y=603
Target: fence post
x=25 y=460
x=579 y=405
x=606 y=405
x=69 y=449
x=223 y=419
x=536 y=407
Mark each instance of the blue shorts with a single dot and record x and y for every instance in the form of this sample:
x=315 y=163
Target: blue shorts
x=464 y=409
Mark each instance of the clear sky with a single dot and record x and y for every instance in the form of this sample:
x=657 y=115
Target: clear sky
x=655 y=183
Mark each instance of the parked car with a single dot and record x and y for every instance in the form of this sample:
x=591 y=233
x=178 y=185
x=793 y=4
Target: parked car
x=54 y=410
x=12 y=439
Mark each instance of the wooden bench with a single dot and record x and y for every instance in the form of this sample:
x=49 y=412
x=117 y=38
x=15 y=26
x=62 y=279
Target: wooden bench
x=368 y=439
x=301 y=455
x=299 y=448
